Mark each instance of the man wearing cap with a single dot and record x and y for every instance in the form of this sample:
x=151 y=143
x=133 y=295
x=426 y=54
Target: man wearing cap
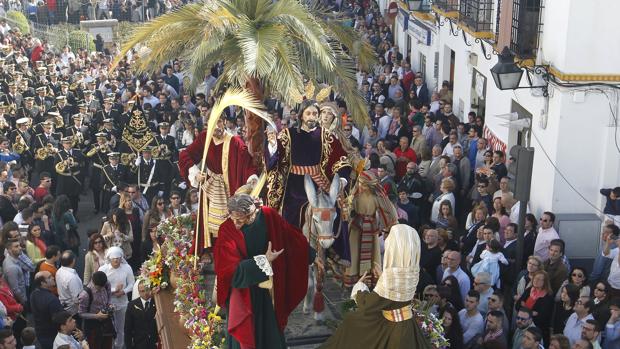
x=98 y=155
x=42 y=100
x=64 y=109
x=13 y=98
x=79 y=132
x=168 y=154
x=21 y=130
x=29 y=110
x=48 y=140
x=106 y=113
x=149 y=173
x=91 y=103
x=69 y=164
x=113 y=174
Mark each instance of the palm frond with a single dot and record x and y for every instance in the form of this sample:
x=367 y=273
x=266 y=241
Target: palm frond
x=258 y=45
x=358 y=48
x=304 y=27
x=166 y=25
x=286 y=79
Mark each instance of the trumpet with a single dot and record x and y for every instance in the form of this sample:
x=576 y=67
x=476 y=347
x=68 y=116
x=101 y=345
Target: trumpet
x=20 y=146
x=105 y=148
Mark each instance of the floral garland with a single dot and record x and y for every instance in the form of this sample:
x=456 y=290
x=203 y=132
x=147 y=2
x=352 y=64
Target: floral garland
x=430 y=325
x=192 y=300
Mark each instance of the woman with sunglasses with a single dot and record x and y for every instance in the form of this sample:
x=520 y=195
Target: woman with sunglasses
x=95 y=257
x=602 y=302
x=579 y=278
x=156 y=214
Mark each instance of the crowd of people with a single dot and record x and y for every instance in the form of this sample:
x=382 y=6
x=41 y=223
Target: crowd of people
x=70 y=125
x=51 y=12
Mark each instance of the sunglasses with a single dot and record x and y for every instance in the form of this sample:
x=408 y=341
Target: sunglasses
x=174 y=198
x=577 y=275
x=160 y=204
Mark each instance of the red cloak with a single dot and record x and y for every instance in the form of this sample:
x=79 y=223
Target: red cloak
x=290 y=273
x=240 y=165
x=232 y=155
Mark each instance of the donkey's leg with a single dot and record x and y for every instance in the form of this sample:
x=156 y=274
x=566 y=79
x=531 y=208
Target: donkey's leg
x=308 y=300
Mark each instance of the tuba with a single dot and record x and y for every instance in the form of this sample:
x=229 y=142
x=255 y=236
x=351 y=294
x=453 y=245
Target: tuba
x=20 y=146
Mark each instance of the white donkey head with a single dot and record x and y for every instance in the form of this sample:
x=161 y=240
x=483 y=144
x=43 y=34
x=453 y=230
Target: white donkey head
x=323 y=208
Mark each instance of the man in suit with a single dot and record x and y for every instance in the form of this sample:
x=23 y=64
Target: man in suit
x=113 y=174
x=421 y=91
x=140 y=325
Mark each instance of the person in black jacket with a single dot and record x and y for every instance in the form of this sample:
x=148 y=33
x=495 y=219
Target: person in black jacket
x=140 y=325
x=7 y=208
x=43 y=304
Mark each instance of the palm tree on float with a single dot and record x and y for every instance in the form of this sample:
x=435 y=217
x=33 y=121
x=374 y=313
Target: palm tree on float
x=266 y=46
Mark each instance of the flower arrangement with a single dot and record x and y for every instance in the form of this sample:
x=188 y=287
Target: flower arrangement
x=154 y=273
x=430 y=325
x=192 y=301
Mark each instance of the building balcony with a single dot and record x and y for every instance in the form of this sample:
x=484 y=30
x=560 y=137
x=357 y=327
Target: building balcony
x=525 y=27
x=477 y=16
x=446 y=8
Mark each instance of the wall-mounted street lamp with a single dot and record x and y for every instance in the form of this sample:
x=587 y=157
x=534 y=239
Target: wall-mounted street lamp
x=507 y=75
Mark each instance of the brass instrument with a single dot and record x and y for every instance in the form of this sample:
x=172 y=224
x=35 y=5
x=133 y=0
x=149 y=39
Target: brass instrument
x=20 y=146
x=78 y=138
x=45 y=152
x=63 y=165
x=128 y=159
x=3 y=123
x=103 y=148
x=161 y=151
x=59 y=122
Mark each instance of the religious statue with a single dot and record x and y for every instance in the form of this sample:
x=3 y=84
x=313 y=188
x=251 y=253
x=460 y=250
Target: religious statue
x=261 y=265
x=385 y=317
x=371 y=213
x=308 y=149
x=228 y=167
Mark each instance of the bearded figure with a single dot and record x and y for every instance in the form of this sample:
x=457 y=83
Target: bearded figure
x=229 y=166
x=308 y=149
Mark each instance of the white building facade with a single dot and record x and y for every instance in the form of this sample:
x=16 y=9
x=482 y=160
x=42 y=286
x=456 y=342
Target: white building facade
x=573 y=130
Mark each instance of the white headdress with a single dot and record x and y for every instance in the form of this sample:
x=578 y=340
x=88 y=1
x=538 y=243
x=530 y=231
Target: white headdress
x=401 y=264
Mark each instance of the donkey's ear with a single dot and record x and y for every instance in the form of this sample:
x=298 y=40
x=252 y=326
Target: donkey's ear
x=310 y=190
x=334 y=188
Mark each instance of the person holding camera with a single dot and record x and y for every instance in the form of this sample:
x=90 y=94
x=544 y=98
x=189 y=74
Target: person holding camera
x=95 y=310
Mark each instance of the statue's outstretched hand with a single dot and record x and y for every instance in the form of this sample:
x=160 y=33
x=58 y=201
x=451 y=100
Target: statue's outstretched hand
x=272 y=255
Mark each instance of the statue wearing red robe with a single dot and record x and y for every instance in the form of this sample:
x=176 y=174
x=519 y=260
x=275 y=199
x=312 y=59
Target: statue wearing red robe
x=257 y=316
x=229 y=165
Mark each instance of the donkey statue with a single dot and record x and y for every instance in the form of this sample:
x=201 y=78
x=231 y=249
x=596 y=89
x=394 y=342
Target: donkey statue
x=318 y=228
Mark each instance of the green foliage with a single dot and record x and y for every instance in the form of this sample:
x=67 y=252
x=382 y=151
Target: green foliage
x=18 y=19
x=81 y=39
